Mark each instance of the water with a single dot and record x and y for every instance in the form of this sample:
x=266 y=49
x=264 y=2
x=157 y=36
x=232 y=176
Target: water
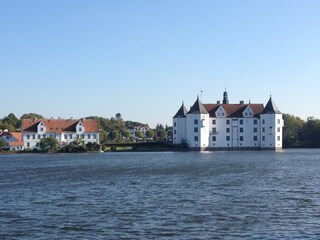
x=190 y=195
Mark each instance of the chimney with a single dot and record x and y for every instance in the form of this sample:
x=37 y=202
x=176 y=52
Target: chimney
x=241 y=102
x=218 y=102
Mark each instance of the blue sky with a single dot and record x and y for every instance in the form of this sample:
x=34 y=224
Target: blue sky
x=67 y=58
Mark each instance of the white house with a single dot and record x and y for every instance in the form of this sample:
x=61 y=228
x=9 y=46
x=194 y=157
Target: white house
x=229 y=126
x=64 y=130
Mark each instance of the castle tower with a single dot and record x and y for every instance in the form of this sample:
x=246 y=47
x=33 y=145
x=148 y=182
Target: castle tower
x=271 y=127
x=180 y=125
x=198 y=126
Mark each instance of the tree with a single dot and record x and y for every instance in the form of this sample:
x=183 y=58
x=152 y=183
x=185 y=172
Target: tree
x=49 y=144
x=150 y=133
x=292 y=131
x=2 y=143
x=6 y=125
x=12 y=120
x=126 y=134
x=113 y=135
x=159 y=127
x=310 y=133
x=161 y=134
x=139 y=134
x=31 y=116
x=118 y=116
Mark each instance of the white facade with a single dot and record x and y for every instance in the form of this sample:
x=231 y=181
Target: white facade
x=65 y=131
x=229 y=126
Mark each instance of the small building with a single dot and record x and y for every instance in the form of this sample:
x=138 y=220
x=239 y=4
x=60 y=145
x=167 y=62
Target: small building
x=229 y=126
x=13 y=140
x=64 y=130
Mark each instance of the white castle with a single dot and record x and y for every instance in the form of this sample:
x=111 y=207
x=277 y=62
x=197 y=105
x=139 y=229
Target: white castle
x=229 y=126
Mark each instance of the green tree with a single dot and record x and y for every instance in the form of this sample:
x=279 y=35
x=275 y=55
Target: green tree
x=292 y=130
x=31 y=116
x=12 y=120
x=150 y=133
x=2 y=143
x=6 y=125
x=139 y=134
x=310 y=133
x=113 y=135
x=126 y=134
x=49 y=144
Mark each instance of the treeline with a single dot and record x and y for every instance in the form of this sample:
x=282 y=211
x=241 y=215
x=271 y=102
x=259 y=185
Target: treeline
x=116 y=130
x=111 y=130
x=298 y=133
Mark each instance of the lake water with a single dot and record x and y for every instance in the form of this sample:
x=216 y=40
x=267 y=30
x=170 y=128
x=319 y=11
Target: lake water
x=181 y=195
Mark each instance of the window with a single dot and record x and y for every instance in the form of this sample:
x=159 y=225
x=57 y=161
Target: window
x=263 y=121
x=246 y=114
x=263 y=129
x=228 y=130
x=175 y=131
x=65 y=136
x=89 y=136
x=255 y=122
x=70 y=136
x=82 y=136
x=175 y=124
x=38 y=144
x=39 y=136
x=195 y=129
x=77 y=136
x=228 y=138
x=228 y=122
x=41 y=129
x=241 y=138
x=44 y=135
x=214 y=138
x=241 y=130
x=196 y=139
x=255 y=138
x=278 y=138
x=214 y=130
x=241 y=121
x=222 y=114
x=80 y=129
x=195 y=121
x=213 y=121
x=28 y=144
x=95 y=136
x=278 y=121
x=28 y=136
x=278 y=129
x=263 y=138
x=255 y=130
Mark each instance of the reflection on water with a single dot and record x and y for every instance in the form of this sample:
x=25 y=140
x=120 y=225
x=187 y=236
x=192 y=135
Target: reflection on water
x=188 y=195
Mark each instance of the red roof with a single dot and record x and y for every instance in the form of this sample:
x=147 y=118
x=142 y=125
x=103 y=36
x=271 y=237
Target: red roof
x=16 y=135
x=60 y=125
x=233 y=110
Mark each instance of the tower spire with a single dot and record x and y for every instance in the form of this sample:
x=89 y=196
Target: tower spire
x=225 y=97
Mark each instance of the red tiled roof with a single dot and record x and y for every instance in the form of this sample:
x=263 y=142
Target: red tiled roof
x=233 y=110
x=18 y=136
x=90 y=125
x=59 y=125
x=30 y=125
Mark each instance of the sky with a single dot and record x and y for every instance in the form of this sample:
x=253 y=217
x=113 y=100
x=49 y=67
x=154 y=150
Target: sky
x=78 y=58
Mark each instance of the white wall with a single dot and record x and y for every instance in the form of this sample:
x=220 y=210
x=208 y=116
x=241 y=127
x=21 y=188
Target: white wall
x=179 y=130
